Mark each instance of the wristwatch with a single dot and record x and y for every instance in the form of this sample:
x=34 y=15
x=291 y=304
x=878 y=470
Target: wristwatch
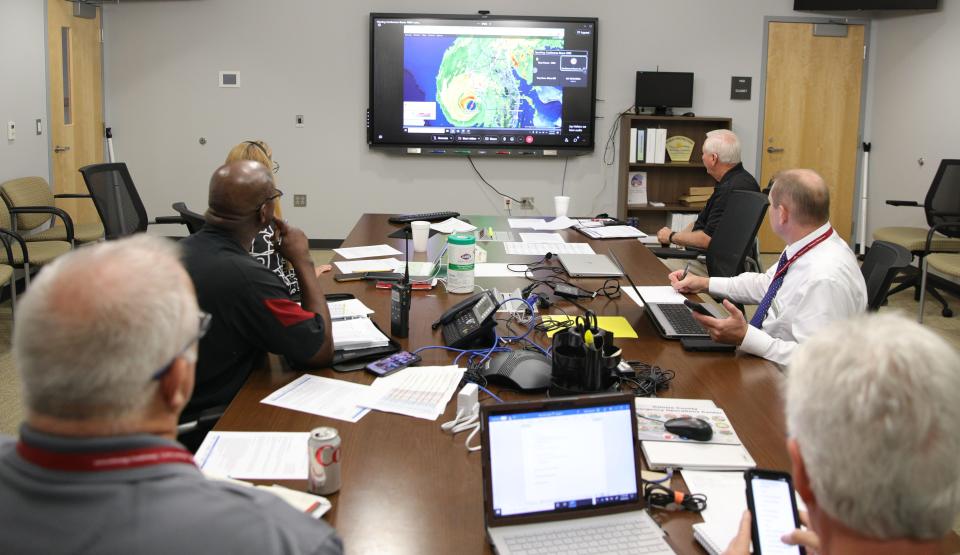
x=672 y=233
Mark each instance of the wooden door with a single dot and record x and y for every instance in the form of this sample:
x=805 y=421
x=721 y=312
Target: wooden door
x=76 y=103
x=812 y=114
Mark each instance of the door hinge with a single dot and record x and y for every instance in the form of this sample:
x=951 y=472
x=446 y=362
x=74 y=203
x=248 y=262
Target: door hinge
x=864 y=51
x=101 y=35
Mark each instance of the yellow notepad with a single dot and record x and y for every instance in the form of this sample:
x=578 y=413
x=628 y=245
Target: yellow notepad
x=618 y=325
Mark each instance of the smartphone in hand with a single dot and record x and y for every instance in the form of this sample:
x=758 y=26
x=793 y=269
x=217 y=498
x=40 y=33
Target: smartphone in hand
x=773 y=507
x=696 y=307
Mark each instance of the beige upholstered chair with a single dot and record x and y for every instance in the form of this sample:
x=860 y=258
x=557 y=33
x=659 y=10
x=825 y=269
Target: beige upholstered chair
x=25 y=254
x=947 y=265
x=31 y=200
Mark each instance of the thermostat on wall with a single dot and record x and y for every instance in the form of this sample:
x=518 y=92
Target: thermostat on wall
x=229 y=78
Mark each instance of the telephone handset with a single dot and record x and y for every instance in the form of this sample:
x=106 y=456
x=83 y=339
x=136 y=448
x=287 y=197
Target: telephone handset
x=470 y=321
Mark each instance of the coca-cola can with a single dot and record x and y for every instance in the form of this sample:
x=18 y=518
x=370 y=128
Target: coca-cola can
x=323 y=449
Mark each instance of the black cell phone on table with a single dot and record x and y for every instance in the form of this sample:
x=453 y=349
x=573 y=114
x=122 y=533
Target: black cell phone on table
x=397 y=361
x=696 y=307
x=773 y=511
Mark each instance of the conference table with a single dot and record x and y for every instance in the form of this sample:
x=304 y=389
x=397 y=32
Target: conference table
x=408 y=487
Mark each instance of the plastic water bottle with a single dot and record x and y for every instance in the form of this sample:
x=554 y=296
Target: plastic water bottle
x=461 y=251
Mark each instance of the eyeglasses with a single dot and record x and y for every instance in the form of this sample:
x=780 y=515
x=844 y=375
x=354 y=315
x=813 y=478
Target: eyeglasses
x=202 y=329
x=277 y=194
x=276 y=167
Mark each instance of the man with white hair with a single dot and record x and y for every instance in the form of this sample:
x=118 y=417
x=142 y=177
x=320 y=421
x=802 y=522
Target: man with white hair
x=106 y=371
x=721 y=158
x=816 y=281
x=874 y=427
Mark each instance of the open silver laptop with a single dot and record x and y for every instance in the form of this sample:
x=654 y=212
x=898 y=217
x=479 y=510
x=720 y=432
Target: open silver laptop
x=589 y=265
x=671 y=320
x=564 y=475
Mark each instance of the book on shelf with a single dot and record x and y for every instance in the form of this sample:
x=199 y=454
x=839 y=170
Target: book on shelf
x=694 y=198
x=633 y=145
x=700 y=191
x=702 y=204
x=637 y=188
x=651 y=146
x=640 y=149
x=661 y=152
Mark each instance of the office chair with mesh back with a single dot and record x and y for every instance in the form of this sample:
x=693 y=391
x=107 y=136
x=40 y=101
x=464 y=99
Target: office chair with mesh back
x=117 y=200
x=942 y=209
x=191 y=219
x=734 y=239
x=881 y=264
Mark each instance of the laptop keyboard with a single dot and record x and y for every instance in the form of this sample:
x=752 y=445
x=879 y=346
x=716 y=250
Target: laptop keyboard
x=681 y=319
x=624 y=537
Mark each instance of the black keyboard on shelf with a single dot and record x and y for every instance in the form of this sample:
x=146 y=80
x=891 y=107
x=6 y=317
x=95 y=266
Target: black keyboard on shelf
x=424 y=216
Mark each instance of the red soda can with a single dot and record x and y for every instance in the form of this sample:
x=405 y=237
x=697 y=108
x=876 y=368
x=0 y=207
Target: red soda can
x=323 y=449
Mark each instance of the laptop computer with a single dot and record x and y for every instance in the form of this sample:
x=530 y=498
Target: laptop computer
x=589 y=265
x=671 y=320
x=564 y=475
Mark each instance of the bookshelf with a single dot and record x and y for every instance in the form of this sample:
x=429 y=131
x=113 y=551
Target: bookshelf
x=665 y=182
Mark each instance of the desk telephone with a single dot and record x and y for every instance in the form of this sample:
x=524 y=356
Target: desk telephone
x=470 y=322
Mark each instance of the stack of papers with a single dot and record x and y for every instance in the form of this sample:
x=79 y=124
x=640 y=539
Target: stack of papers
x=352 y=253
x=541 y=249
x=321 y=396
x=663 y=450
x=375 y=265
x=254 y=455
x=356 y=333
x=453 y=225
x=419 y=391
x=350 y=308
x=612 y=232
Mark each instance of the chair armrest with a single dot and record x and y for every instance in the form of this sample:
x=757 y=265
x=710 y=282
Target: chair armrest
x=903 y=203
x=168 y=220
x=668 y=252
x=6 y=244
x=72 y=195
x=67 y=220
x=927 y=245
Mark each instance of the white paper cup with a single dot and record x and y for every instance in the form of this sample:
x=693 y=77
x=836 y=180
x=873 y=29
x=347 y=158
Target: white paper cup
x=560 y=205
x=421 y=232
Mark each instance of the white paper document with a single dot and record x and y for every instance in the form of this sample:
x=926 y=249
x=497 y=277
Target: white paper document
x=541 y=249
x=313 y=505
x=321 y=396
x=350 y=308
x=367 y=252
x=650 y=240
x=541 y=238
x=660 y=294
x=452 y=225
x=356 y=333
x=420 y=391
x=497 y=269
x=524 y=223
x=613 y=232
x=254 y=455
x=562 y=222
x=375 y=265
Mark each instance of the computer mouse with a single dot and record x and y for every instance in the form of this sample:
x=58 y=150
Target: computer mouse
x=690 y=428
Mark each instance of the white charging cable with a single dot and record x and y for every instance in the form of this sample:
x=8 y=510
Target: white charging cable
x=468 y=415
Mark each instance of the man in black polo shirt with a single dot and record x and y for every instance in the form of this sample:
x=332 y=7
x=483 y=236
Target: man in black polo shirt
x=721 y=158
x=252 y=310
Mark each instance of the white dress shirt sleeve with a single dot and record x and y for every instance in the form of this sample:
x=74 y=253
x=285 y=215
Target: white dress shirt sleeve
x=823 y=301
x=749 y=287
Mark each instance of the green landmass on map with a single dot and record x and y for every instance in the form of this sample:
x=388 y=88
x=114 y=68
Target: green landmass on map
x=476 y=86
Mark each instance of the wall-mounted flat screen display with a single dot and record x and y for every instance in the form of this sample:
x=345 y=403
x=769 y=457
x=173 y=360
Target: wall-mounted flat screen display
x=457 y=84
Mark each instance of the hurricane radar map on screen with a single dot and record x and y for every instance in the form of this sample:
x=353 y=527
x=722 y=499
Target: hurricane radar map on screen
x=478 y=82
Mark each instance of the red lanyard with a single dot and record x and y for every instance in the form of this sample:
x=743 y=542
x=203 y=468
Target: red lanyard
x=802 y=252
x=103 y=460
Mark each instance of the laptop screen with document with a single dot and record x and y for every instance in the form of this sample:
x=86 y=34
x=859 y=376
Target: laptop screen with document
x=549 y=457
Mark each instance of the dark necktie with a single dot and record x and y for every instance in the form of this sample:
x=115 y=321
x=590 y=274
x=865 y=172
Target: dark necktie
x=761 y=314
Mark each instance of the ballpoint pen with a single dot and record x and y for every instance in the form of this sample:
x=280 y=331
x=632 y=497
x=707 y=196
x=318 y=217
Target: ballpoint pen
x=685 y=269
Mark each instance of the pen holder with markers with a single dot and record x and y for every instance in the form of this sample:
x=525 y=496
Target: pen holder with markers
x=584 y=358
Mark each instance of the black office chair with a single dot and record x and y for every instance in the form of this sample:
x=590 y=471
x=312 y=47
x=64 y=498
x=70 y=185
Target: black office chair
x=118 y=202
x=942 y=209
x=881 y=264
x=192 y=220
x=734 y=239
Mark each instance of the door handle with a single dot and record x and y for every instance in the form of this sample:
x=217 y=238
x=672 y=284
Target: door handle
x=59 y=148
x=773 y=149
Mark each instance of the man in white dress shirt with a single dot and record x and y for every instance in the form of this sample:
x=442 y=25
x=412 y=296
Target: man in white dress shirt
x=816 y=281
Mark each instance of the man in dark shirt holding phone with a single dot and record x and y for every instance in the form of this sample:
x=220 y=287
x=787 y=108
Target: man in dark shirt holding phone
x=874 y=430
x=721 y=158
x=252 y=310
